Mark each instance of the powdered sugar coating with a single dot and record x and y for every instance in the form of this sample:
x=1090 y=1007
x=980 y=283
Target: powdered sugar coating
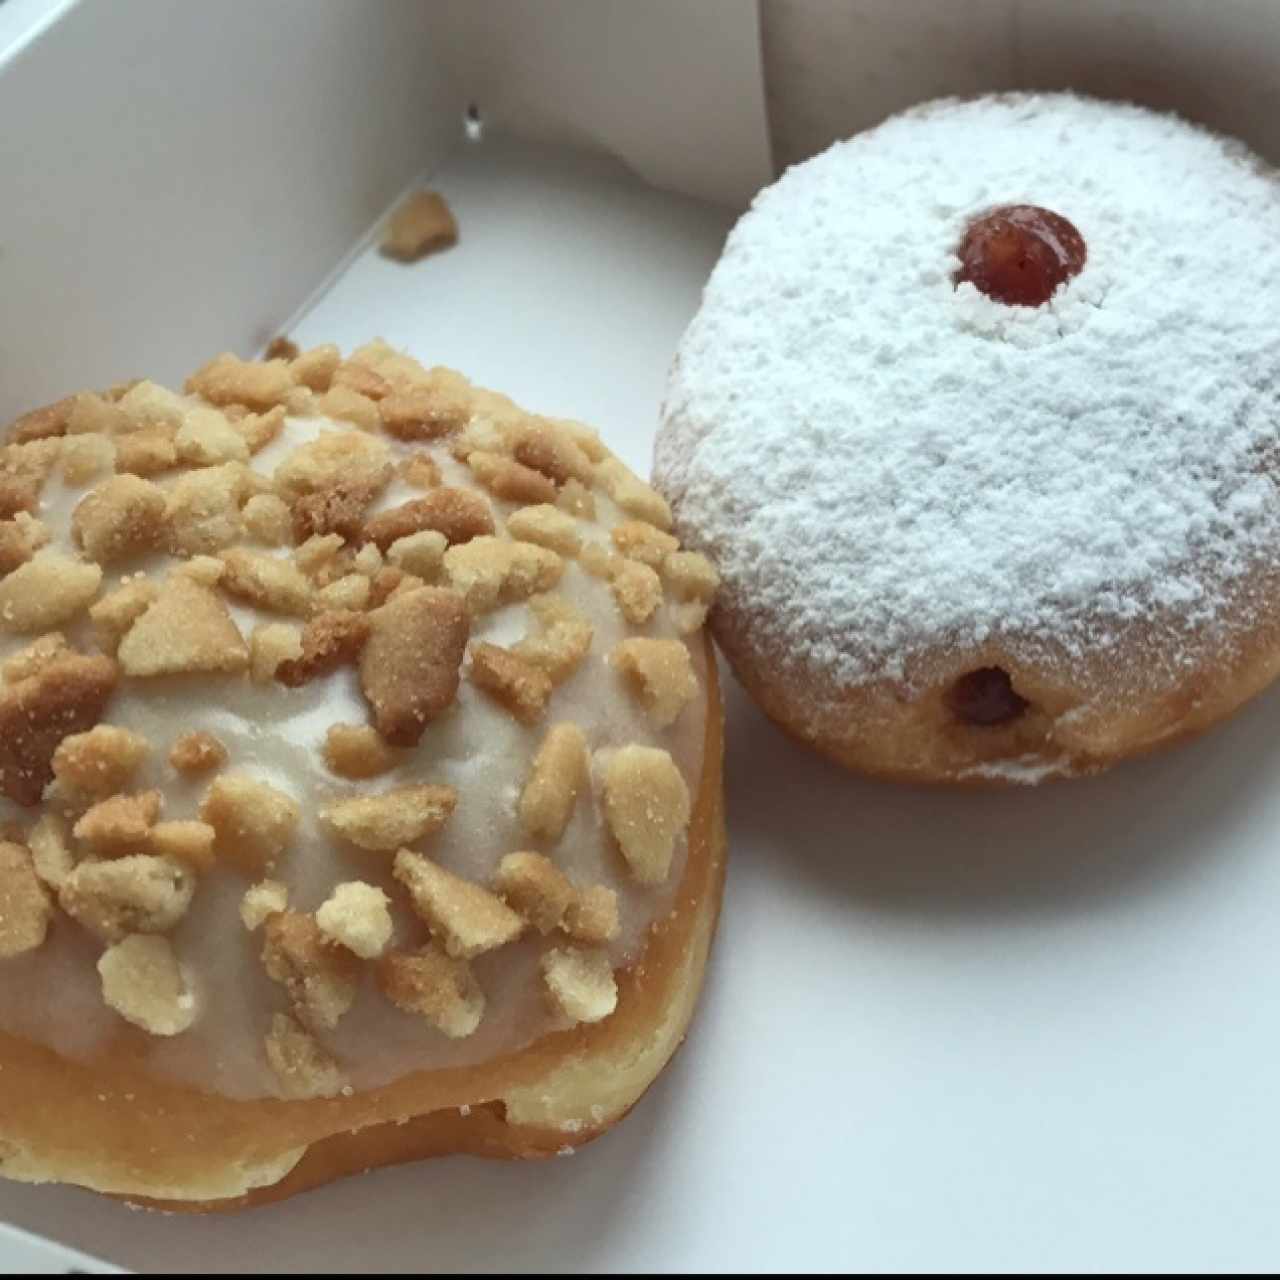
x=882 y=464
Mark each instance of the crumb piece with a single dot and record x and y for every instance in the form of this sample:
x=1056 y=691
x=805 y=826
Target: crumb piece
x=147 y=451
x=426 y=412
x=50 y=846
x=515 y=683
x=332 y=459
x=92 y=414
x=143 y=982
x=407 y=583
x=547 y=526
x=491 y=571
x=207 y=571
x=268 y=519
x=258 y=430
x=123 y=516
x=510 y=480
x=437 y=987
x=25 y=908
x=422 y=223
x=271 y=645
x=465 y=918
x=315 y=368
x=187 y=629
x=547 y=447
x=535 y=888
x=319 y=555
x=254 y=823
x=637 y=589
x=647 y=807
x=65 y=697
x=592 y=916
x=419 y=470
x=118 y=610
x=384 y=584
x=328 y=641
x=203 y=509
x=119 y=824
x=350 y=592
x=320 y=979
x=149 y=404
x=637 y=540
x=659 y=674
x=361 y=379
x=140 y=893
x=207 y=439
x=599 y=561
x=303 y=1067
x=266 y=581
x=357 y=751
x=344 y=405
x=381 y=355
x=44 y=423
x=19 y=495
x=480 y=433
x=586 y=438
x=229 y=380
x=46 y=591
x=40 y=654
x=100 y=761
x=186 y=841
x=368 y=560
x=261 y=900
x=411 y=665
x=281 y=348
x=419 y=553
x=355 y=916
x=197 y=751
x=632 y=494
x=20 y=464
x=694 y=582
x=84 y=458
x=579 y=984
x=392 y=819
x=459 y=514
x=18 y=541
x=338 y=509
x=558 y=773
x=562 y=641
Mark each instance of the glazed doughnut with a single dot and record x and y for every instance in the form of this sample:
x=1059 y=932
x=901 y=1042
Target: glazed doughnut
x=979 y=423
x=360 y=780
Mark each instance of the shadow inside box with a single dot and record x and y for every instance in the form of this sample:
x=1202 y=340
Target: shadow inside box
x=1060 y=847
x=454 y=1214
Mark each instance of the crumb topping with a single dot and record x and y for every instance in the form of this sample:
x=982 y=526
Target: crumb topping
x=234 y=624
x=144 y=983
x=465 y=918
x=558 y=774
x=647 y=806
x=319 y=978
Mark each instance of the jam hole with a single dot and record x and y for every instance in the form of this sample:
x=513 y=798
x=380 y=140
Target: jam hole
x=985 y=697
x=1020 y=254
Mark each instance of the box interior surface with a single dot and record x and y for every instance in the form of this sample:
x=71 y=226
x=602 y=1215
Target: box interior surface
x=1030 y=1030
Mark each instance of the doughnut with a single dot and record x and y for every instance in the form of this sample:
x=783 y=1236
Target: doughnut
x=979 y=424
x=360 y=780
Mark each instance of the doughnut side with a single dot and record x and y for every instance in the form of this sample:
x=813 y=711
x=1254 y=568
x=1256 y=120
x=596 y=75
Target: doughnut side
x=108 y=1127
x=1068 y=721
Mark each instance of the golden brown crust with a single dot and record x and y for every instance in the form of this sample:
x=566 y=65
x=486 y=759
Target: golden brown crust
x=175 y=1148
x=1074 y=725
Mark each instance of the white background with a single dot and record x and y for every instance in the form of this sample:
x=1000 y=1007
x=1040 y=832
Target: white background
x=1027 y=1030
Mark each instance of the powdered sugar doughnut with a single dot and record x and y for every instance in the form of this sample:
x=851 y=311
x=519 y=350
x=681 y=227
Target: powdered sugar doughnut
x=965 y=538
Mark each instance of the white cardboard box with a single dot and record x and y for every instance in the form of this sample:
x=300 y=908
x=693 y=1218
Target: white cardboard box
x=940 y=1032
